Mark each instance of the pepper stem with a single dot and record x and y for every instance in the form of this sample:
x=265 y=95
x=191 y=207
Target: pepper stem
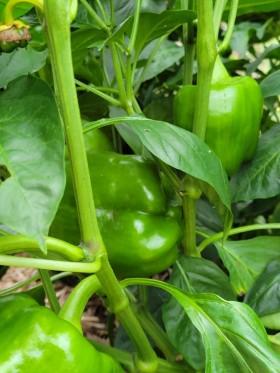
x=8 y=10
x=59 y=42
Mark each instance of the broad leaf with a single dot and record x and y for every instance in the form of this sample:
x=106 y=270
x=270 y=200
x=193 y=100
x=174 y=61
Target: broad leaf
x=271 y=85
x=31 y=157
x=21 y=61
x=234 y=338
x=246 y=259
x=184 y=151
x=180 y=149
x=193 y=275
x=260 y=178
x=166 y=56
x=264 y=295
x=81 y=39
x=151 y=27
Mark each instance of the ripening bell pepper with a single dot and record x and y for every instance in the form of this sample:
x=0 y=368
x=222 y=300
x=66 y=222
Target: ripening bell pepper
x=34 y=339
x=234 y=116
x=139 y=227
x=13 y=36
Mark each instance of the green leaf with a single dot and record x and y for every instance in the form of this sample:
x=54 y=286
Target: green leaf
x=234 y=338
x=275 y=342
x=256 y=6
x=21 y=61
x=193 y=275
x=81 y=40
x=263 y=296
x=271 y=85
x=246 y=259
x=151 y=27
x=260 y=177
x=166 y=56
x=185 y=151
x=32 y=151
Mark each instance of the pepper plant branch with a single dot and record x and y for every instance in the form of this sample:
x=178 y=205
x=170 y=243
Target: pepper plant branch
x=96 y=17
x=189 y=209
x=11 y=4
x=206 y=57
x=59 y=42
x=49 y=290
x=12 y=244
x=127 y=106
x=134 y=27
x=103 y=12
x=130 y=67
x=217 y=15
x=189 y=44
x=75 y=304
x=231 y=21
x=58 y=31
x=126 y=360
x=98 y=92
x=141 y=309
x=148 y=62
x=248 y=228
x=29 y=280
x=112 y=10
x=53 y=265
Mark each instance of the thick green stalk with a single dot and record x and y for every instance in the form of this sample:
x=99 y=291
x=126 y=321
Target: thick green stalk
x=189 y=209
x=58 y=31
x=206 y=57
x=189 y=44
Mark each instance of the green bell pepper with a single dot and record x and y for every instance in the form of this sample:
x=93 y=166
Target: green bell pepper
x=139 y=227
x=235 y=111
x=34 y=339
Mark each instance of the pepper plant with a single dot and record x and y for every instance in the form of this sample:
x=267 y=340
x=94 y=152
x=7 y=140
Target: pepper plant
x=140 y=156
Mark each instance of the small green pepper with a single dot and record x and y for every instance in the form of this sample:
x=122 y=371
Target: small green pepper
x=235 y=111
x=139 y=227
x=34 y=339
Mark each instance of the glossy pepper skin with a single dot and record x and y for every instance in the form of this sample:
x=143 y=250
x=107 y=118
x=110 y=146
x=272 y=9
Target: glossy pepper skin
x=139 y=228
x=235 y=111
x=34 y=339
